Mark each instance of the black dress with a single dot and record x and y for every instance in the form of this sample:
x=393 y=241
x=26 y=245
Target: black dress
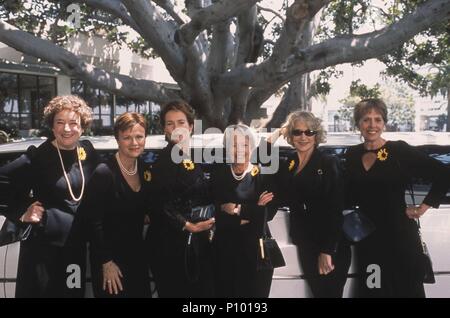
x=179 y=269
x=380 y=194
x=54 y=242
x=114 y=216
x=236 y=246
x=316 y=199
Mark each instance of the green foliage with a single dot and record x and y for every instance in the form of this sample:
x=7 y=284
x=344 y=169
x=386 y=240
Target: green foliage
x=321 y=85
x=363 y=91
x=398 y=99
x=422 y=63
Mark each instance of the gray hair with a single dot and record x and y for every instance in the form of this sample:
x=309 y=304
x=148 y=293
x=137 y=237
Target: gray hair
x=242 y=129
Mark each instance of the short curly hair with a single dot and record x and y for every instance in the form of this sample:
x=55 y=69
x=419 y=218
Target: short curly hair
x=68 y=102
x=311 y=121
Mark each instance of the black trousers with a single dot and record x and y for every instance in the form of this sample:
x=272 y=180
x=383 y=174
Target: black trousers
x=180 y=272
x=324 y=286
x=42 y=270
x=235 y=269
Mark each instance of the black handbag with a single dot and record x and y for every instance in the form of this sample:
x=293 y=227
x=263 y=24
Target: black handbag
x=425 y=258
x=11 y=232
x=202 y=213
x=425 y=261
x=356 y=225
x=269 y=253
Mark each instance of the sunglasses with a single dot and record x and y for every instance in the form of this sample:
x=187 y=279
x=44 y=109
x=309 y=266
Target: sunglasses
x=308 y=132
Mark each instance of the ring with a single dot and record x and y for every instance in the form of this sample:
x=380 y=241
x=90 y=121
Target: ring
x=109 y=281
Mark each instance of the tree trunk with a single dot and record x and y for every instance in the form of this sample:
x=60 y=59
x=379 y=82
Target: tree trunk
x=295 y=98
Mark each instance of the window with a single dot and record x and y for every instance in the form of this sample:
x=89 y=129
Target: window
x=100 y=101
x=22 y=99
x=107 y=106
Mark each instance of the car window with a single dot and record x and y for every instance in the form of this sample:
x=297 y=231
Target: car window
x=4 y=186
x=420 y=186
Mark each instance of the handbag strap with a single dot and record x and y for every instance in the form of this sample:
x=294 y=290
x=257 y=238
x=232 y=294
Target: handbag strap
x=410 y=188
x=264 y=233
x=413 y=200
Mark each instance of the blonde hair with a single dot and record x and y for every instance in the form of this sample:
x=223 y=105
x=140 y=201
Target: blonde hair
x=311 y=121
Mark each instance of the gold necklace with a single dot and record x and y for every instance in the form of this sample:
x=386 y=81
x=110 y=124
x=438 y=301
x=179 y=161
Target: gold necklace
x=67 y=177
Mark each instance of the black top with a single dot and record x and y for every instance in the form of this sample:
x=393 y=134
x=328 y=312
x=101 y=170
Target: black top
x=245 y=192
x=315 y=198
x=183 y=183
x=40 y=170
x=380 y=191
x=115 y=213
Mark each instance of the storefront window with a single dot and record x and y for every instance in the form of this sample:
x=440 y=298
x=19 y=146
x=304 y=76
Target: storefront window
x=22 y=99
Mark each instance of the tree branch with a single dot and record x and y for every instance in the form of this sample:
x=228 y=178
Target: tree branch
x=213 y=14
x=272 y=11
x=221 y=48
x=114 y=7
x=72 y=65
x=297 y=17
x=193 y=6
x=294 y=98
x=337 y=50
x=159 y=34
x=169 y=7
x=249 y=47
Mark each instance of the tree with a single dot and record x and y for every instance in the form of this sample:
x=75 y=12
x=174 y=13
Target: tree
x=399 y=102
x=214 y=49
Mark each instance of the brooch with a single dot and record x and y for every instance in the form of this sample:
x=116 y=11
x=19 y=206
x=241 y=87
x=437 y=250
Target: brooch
x=382 y=154
x=188 y=164
x=291 y=165
x=81 y=153
x=147 y=175
x=254 y=171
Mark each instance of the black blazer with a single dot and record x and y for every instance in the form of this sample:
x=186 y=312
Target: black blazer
x=315 y=197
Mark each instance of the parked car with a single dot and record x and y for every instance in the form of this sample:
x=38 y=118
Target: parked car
x=288 y=281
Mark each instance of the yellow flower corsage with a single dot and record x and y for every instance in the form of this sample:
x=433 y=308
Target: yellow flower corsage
x=291 y=165
x=188 y=164
x=147 y=175
x=382 y=154
x=81 y=153
x=254 y=171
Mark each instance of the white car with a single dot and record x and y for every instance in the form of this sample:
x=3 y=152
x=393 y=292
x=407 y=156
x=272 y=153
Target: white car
x=288 y=281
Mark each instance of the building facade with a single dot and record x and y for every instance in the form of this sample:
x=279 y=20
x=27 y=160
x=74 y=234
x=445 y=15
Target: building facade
x=26 y=85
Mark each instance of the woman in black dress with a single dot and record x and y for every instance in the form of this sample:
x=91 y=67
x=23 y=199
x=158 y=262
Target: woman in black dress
x=310 y=183
x=56 y=173
x=240 y=198
x=114 y=209
x=179 y=246
x=378 y=172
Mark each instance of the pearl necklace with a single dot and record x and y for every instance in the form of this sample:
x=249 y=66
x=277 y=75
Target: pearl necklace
x=124 y=170
x=240 y=177
x=67 y=177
